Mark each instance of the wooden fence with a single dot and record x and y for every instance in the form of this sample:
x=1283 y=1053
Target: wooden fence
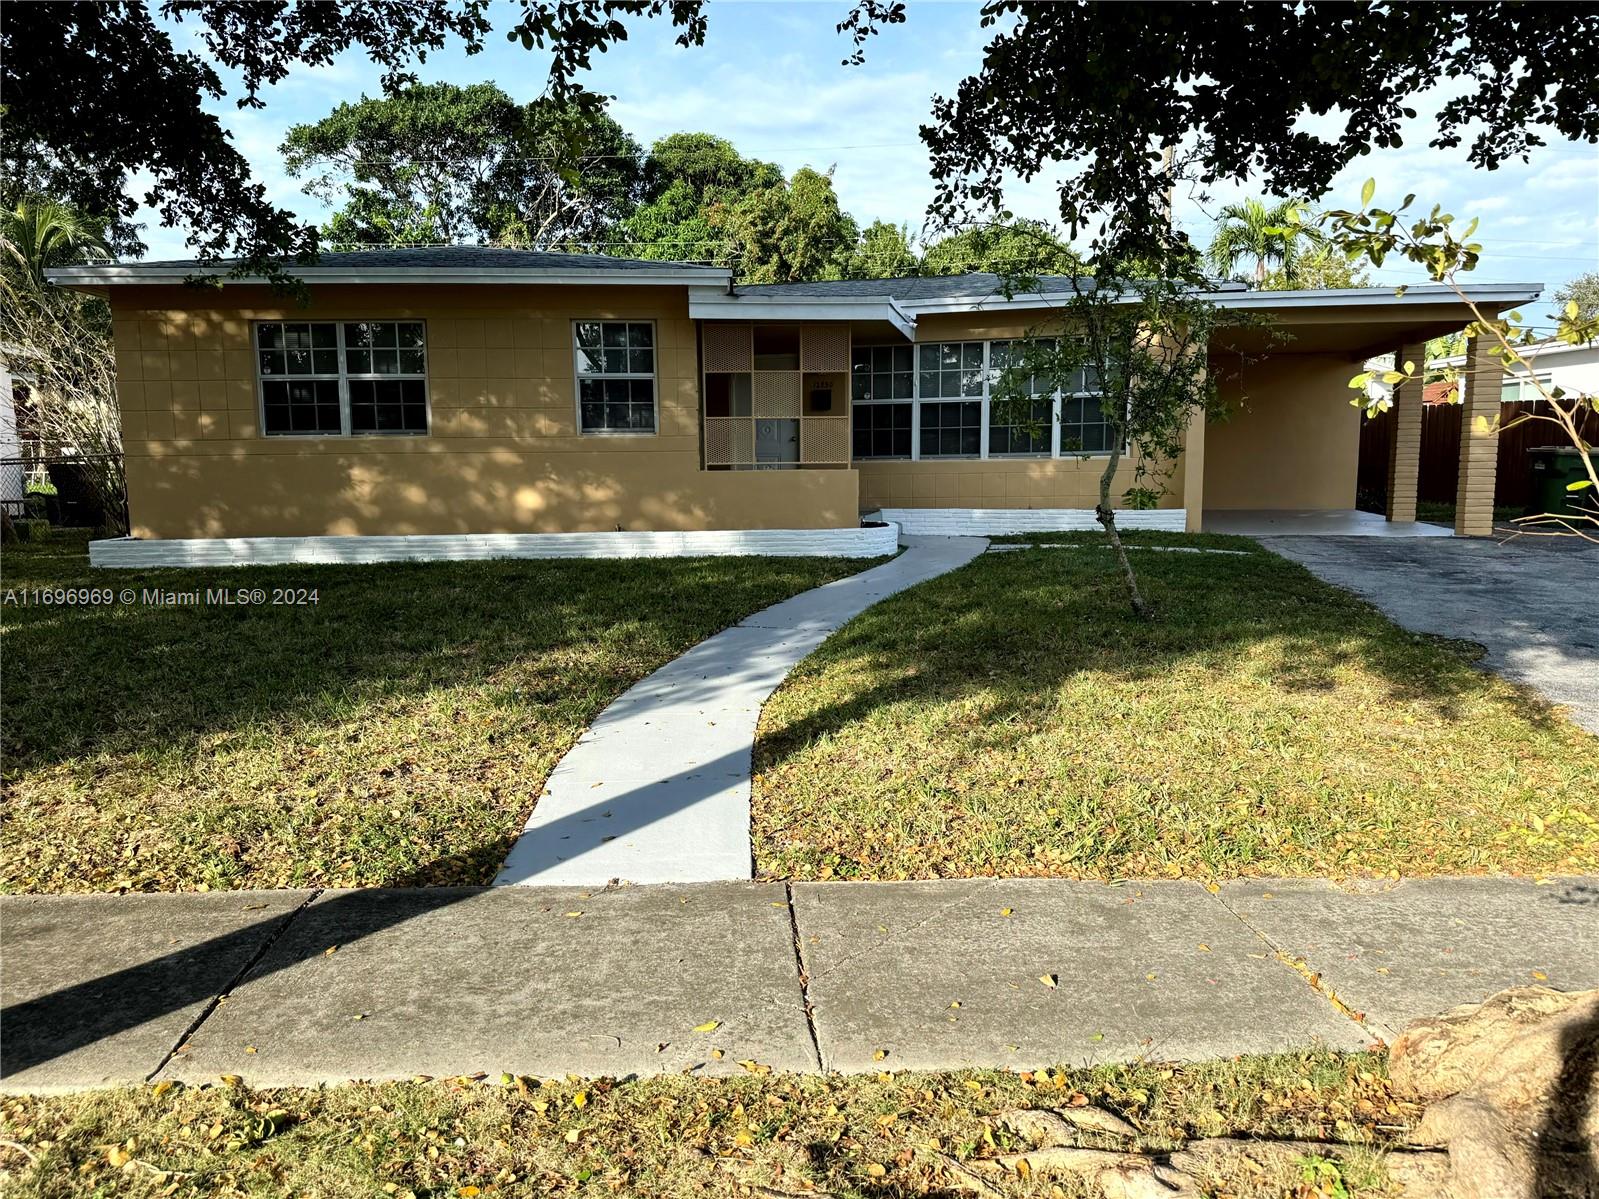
x=1440 y=453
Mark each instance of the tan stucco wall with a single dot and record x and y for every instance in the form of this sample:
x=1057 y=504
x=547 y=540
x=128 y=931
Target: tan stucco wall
x=1067 y=482
x=1293 y=439
x=502 y=455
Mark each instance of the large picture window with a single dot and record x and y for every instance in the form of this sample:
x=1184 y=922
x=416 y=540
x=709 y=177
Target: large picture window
x=339 y=378
x=615 y=376
x=946 y=407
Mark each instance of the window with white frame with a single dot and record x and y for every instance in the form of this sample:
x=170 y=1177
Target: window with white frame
x=951 y=382
x=882 y=391
x=615 y=376
x=1083 y=427
x=341 y=378
x=1015 y=429
x=946 y=408
x=1522 y=389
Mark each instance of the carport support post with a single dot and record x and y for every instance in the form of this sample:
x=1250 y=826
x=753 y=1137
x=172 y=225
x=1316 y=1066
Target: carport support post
x=1479 y=439
x=1404 y=435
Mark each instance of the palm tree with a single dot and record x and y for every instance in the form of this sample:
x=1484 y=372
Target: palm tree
x=40 y=233
x=1254 y=230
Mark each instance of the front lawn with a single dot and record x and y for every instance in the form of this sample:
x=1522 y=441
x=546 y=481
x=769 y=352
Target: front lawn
x=396 y=733
x=1011 y=719
x=775 y=1135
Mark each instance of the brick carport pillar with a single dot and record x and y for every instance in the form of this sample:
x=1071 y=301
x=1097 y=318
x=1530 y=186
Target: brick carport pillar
x=1479 y=439
x=1404 y=435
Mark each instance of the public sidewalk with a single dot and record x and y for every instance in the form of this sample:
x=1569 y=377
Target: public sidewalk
x=299 y=987
x=658 y=789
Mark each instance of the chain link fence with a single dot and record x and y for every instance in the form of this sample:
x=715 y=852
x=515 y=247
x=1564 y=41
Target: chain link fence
x=84 y=491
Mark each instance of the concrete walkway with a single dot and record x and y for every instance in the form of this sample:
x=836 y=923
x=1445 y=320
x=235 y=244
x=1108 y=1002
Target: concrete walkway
x=658 y=789
x=1529 y=601
x=303 y=988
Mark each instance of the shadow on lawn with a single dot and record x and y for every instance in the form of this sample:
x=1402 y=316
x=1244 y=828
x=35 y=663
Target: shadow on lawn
x=942 y=643
x=551 y=641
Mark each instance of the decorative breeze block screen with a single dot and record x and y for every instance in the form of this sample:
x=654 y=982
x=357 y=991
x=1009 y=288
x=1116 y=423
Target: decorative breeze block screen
x=825 y=439
x=729 y=441
x=776 y=393
x=729 y=347
x=824 y=348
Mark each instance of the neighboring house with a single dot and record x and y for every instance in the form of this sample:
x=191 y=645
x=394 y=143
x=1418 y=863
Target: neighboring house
x=470 y=391
x=1575 y=369
x=1555 y=364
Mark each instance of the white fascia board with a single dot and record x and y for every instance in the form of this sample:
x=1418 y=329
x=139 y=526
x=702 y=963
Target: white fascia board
x=132 y=273
x=995 y=302
x=711 y=304
x=1386 y=297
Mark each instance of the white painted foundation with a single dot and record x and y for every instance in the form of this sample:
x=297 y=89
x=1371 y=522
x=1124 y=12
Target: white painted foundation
x=997 y=522
x=127 y=552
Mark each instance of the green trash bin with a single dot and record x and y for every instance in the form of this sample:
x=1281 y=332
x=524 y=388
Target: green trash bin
x=1553 y=467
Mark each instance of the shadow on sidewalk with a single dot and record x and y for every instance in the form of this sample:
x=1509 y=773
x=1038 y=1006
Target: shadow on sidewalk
x=64 y=1021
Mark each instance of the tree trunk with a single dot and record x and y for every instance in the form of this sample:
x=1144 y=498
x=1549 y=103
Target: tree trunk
x=1106 y=516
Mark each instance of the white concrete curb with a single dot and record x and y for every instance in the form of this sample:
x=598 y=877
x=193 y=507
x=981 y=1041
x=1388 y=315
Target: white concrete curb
x=127 y=552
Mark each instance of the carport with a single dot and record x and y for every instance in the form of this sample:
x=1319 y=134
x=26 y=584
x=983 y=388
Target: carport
x=1285 y=458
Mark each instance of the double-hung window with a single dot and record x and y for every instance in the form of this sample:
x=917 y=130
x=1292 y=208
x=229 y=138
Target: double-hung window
x=1083 y=427
x=882 y=390
x=1018 y=427
x=338 y=378
x=615 y=376
x=951 y=382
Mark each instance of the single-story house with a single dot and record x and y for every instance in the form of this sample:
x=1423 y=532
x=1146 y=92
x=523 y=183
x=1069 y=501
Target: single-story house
x=470 y=401
x=1572 y=368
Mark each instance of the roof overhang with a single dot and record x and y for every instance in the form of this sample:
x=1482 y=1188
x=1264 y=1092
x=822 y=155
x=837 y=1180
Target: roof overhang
x=1487 y=295
x=1361 y=323
x=715 y=304
x=999 y=302
x=140 y=274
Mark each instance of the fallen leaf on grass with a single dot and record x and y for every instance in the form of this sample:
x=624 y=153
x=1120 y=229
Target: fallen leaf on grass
x=708 y=1026
x=1049 y=980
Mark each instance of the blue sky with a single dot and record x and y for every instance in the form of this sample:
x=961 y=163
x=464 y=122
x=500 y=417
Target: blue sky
x=769 y=78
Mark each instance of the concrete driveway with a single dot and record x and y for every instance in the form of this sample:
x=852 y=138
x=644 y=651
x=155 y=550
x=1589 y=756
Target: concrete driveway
x=1532 y=602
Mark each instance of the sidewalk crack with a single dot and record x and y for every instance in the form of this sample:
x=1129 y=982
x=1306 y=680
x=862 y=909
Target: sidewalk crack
x=1302 y=968
x=227 y=988
x=804 y=977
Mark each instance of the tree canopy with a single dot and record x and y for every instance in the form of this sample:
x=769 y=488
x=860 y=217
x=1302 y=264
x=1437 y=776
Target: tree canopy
x=97 y=95
x=441 y=163
x=1584 y=291
x=1009 y=248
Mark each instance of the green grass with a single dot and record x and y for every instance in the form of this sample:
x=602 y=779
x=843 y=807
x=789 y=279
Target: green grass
x=847 y=1136
x=396 y=733
x=1011 y=719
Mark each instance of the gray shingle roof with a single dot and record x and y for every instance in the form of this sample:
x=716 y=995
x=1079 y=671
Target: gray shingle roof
x=467 y=257
x=912 y=290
